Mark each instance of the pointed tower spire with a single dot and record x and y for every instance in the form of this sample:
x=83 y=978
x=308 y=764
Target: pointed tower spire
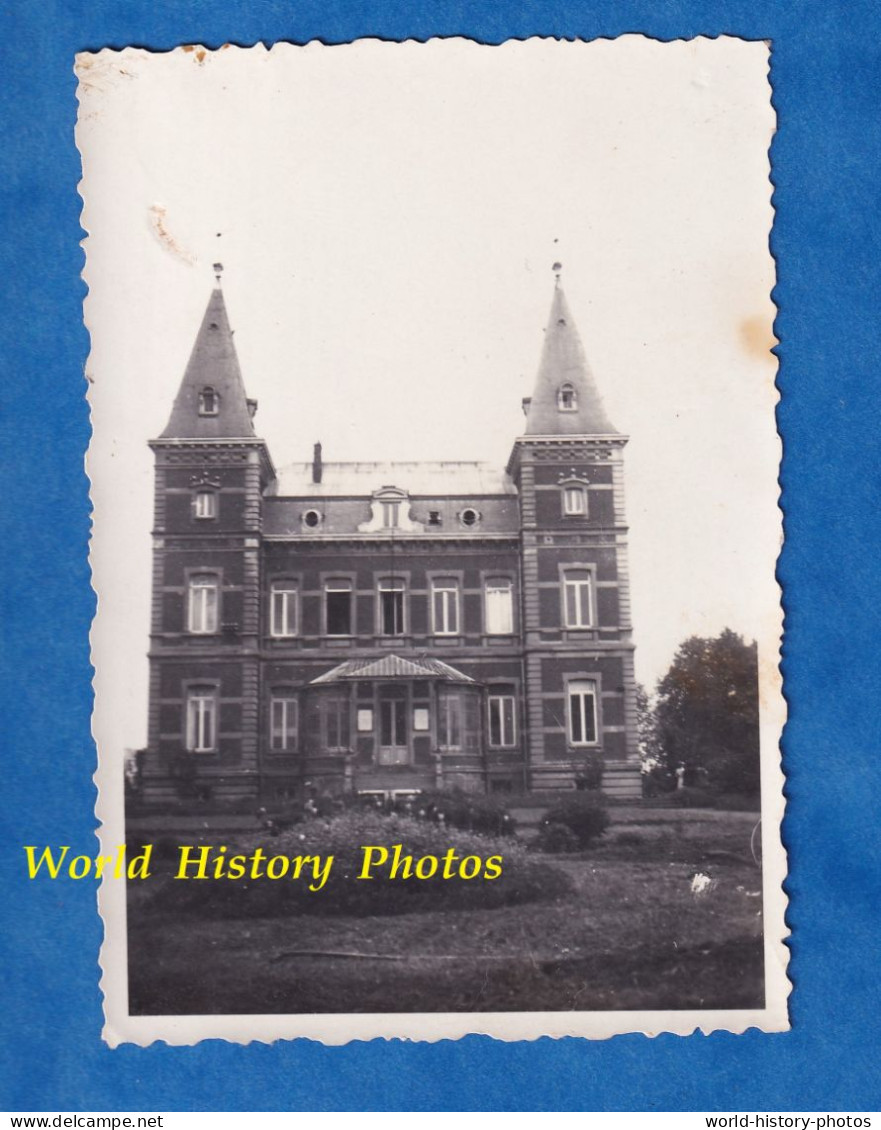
x=566 y=400
x=211 y=401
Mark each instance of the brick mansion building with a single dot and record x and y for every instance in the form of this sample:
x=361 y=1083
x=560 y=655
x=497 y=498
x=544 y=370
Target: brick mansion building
x=388 y=627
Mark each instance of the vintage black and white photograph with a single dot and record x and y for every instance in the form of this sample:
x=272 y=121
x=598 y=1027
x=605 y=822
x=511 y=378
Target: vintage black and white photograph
x=434 y=472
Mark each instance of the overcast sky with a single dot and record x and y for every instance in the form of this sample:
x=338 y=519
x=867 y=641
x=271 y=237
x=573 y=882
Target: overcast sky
x=387 y=216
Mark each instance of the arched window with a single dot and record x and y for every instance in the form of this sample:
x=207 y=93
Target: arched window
x=445 y=606
x=582 y=712
x=283 y=721
x=449 y=720
x=567 y=401
x=502 y=717
x=391 y=606
x=204 y=504
x=574 y=500
x=209 y=402
x=203 y=596
x=201 y=719
x=499 y=606
x=338 y=607
x=336 y=721
x=577 y=598
x=283 y=609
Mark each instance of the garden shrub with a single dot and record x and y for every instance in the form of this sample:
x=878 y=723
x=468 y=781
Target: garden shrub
x=343 y=836
x=658 y=782
x=590 y=777
x=472 y=812
x=584 y=815
x=556 y=838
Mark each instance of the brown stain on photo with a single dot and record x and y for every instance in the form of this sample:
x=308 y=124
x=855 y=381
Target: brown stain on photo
x=770 y=683
x=157 y=222
x=757 y=335
x=97 y=73
x=198 y=53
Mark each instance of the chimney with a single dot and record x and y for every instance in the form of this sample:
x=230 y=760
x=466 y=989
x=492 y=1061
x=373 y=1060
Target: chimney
x=525 y=402
x=316 y=463
x=252 y=408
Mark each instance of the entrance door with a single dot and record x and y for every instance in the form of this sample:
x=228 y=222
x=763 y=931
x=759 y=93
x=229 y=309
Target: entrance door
x=393 y=746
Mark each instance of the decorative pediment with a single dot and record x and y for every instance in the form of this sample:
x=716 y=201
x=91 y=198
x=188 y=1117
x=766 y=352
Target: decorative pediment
x=203 y=479
x=390 y=512
x=574 y=477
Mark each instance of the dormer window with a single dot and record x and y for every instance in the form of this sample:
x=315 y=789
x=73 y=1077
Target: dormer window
x=209 y=402
x=567 y=401
x=391 y=512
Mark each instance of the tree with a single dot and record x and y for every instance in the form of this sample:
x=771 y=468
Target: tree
x=707 y=713
x=657 y=777
x=650 y=753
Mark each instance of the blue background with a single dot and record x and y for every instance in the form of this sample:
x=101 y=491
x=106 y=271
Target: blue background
x=826 y=73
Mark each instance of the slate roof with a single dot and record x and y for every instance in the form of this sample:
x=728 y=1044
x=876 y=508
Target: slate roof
x=393 y=667
x=213 y=362
x=563 y=361
x=434 y=480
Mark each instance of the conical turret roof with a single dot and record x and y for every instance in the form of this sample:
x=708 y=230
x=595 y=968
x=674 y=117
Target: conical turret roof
x=566 y=400
x=213 y=369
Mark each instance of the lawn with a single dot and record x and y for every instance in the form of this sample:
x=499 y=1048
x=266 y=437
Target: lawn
x=633 y=934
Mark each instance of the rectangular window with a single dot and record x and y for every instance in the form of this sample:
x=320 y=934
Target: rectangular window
x=283 y=722
x=390 y=513
x=445 y=606
x=202 y=719
x=283 y=609
x=338 y=607
x=202 y=604
x=582 y=695
x=391 y=607
x=574 y=500
x=205 y=504
x=365 y=720
x=577 y=598
x=499 y=607
x=449 y=722
x=420 y=718
x=392 y=722
x=502 y=725
x=336 y=722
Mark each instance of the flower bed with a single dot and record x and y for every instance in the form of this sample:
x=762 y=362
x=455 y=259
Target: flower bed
x=414 y=865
